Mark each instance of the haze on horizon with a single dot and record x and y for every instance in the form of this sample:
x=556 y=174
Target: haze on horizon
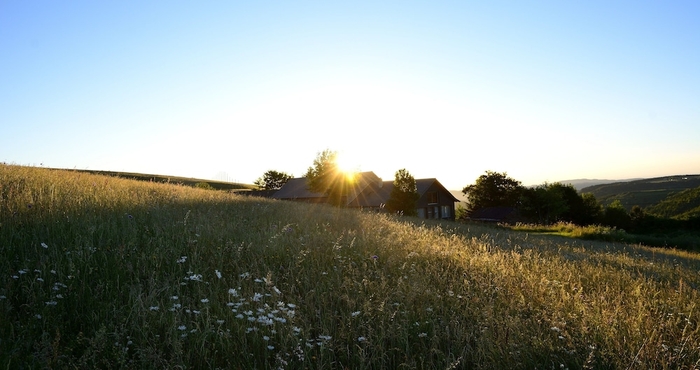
x=545 y=91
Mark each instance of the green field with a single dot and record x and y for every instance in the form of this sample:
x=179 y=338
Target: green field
x=106 y=272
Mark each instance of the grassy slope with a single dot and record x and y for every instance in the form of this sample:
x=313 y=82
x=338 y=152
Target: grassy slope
x=682 y=205
x=109 y=272
x=189 y=181
x=643 y=193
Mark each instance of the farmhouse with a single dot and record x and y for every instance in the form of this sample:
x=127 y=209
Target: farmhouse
x=369 y=192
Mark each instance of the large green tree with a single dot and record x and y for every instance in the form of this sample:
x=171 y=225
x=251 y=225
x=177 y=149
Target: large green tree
x=326 y=177
x=404 y=194
x=492 y=189
x=544 y=203
x=272 y=180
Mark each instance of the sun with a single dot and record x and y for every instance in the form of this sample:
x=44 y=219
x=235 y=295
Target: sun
x=347 y=164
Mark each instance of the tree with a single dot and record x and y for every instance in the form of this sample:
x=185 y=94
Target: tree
x=616 y=215
x=272 y=180
x=404 y=194
x=492 y=189
x=325 y=177
x=544 y=203
x=591 y=211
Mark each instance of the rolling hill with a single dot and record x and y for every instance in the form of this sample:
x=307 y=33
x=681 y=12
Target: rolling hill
x=682 y=206
x=644 y=193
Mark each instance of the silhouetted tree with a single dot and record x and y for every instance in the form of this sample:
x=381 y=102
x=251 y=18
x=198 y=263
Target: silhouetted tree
x=591 y=211
x=404 y=194
x=272 y=180
x=616 y=215
x=325 y=177
x=492 y=189
x=544 y=203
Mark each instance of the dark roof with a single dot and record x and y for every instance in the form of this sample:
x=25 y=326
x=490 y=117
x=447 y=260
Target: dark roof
x=424 y=184
x=296 y=188
x=375 y=197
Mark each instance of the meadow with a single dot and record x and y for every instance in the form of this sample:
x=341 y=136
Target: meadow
x=103 y=272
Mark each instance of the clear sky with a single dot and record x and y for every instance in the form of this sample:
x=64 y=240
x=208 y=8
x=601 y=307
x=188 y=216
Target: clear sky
x=542 y=90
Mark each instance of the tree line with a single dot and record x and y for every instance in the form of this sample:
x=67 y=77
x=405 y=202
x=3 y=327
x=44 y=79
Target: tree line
x=556 y=202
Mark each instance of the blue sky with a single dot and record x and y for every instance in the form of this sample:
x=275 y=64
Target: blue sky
x=544 y=91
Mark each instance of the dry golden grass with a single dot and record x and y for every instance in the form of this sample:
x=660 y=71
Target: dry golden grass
x=110 y=273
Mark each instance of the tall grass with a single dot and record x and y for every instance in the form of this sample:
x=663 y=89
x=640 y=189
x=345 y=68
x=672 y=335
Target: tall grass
x=113 y=273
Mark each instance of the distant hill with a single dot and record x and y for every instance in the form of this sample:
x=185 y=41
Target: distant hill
x=579 y=184
x=682 y=206
x=644 y=192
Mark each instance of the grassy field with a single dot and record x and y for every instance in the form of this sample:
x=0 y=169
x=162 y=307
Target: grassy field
x=103 y=272
x=681 y=239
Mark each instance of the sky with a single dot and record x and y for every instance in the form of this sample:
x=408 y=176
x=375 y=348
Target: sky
x=223 y=90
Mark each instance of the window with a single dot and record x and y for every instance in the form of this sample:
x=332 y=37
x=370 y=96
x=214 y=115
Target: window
x=432 y=197
x=446 y=211
x=421 y=212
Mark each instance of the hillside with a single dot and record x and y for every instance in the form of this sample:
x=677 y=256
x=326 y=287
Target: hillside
x=579 y=184
x=645 y=192
x=107 y=272
x=187 y=181
x=683 y=205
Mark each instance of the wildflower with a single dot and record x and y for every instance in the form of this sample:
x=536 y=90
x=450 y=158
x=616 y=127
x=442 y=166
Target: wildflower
x=291 y=305
x=554 y=328
x=220 y=322
x=38 y=316
x=422 y=335
x=53 y=272
x=257 y=297
x=59 y=296
x=375 y=257
x=276 y=290
x=233 y=292
x=265 y=320
x=39 y=279
x=270 y=347
x=355 y=313
x=182 y=328
x=196 y=312
x=204 y=300
x=296 y=330
x=3 y=297
x=44 y=245
x=51 y=303
x=266 y=338
x=218 y=273
x=174 y=298
x=154 y=308
x=245 y=275
x=361 y=339
x=258 y=280
x=182 y=259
